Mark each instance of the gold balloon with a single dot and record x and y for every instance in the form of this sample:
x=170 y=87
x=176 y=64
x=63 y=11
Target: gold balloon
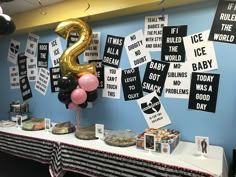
x=68 y=59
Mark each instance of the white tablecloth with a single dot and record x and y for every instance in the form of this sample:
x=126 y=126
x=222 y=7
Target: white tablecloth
x=183 y=156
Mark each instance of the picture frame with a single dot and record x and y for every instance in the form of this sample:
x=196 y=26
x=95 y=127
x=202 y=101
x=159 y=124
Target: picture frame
x=149 y=142
x=47 y=122
x=202 y=144
x=99 y=131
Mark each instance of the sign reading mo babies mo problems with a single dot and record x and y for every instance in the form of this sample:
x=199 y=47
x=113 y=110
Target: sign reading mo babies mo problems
x=203 y=91
x=224 y=25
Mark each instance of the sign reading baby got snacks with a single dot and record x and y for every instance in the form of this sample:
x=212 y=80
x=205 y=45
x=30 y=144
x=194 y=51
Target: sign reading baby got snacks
x=135 y=47
x=131 y=84
x=153 y=111
x=155 y=76
x=203 y=91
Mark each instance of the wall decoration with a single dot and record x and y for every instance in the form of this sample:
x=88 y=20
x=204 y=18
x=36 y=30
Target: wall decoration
x=131 y=84
x=135 y=47
x=55 y=50
x=32 y=69
x=99 y=72
x=112 y=82
x=155 y=76
x=22 y=64
x=172 y=43
x=113 y=50
x=203 y=91
x=223 y=28
x=55 y=74
x=177 y=84
x=200 y=52
x=13 y=51
x=42 y=81
x=31 y=46
x=25 y=88
x=153 y=29
x=153 y=111
x=14 y=77
x=93 y=50
x=43 y=55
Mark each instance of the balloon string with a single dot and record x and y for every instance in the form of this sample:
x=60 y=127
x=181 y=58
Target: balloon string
x=85 y=11
x=78 y=118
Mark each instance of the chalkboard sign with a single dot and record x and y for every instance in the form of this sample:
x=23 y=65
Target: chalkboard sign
x=203 y=91
x=155 y=76
x=172 y=43
x=224 y=25
x=131 y=84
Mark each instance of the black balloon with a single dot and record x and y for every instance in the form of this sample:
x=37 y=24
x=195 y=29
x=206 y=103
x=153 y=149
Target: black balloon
x=84 y=105
x=67 y=83
x=92 y=96
x=64 y=97
x=7 y=25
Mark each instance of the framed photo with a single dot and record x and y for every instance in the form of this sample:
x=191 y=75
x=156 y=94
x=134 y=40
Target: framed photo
x=19 y=121
x=47 y=123
x=202 y=144
x=99 y=130
x=149 y=142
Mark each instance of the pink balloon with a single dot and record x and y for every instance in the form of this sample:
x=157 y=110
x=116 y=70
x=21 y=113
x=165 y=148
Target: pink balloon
x=72 y=106
x=88 y=82
x=78 y=96
x=1 y=11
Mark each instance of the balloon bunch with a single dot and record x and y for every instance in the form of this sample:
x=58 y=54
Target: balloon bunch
x=7 y=25
x=77 y=92
x=78 y=83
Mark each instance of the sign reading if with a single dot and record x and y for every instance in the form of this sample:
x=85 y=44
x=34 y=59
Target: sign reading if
x=224 y=25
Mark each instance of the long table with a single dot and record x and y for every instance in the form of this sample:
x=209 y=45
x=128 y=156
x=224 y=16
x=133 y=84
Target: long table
x=95 y=158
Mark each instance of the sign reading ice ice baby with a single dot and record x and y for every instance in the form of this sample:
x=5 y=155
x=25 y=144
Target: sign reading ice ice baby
x=153 y=111
x=172 y=43
x=113 y=51
x=224 y=25
x=203 y=91
x=55 y=50
x=131 y=84
x=200 y=52
x=155 y=76
x=135 y=47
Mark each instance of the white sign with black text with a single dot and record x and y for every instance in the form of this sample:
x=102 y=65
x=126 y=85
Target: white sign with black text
x=32 y=45
x=42 y=81
x=177 y=83
x=112 y=82
x=93 y=50
x=55 y=50
x=135 y=47
x=14 y=77
x=200 y=52
x=153 y=29
x=153 y=111
x=13 y=51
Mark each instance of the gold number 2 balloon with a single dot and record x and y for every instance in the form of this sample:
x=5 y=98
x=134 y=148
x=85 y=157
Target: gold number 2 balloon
x=68 y=59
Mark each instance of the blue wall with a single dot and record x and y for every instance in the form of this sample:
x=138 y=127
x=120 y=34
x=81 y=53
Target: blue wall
x=118 y=114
